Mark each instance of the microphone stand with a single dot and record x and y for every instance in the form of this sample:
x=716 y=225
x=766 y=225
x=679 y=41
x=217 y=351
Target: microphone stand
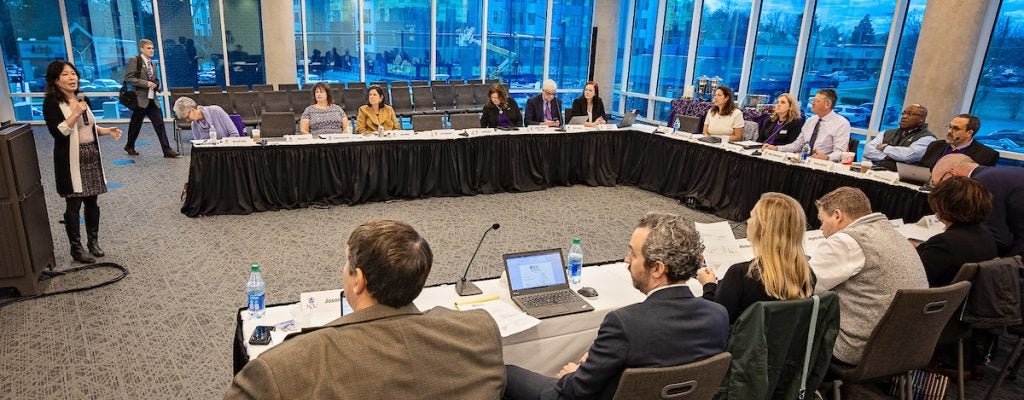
x=465 y=287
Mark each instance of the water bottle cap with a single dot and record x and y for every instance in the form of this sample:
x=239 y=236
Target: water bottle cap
x=255 y=267
x=575 y=240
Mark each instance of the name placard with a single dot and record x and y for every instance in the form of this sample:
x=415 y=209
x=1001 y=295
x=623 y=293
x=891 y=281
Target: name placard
x=773 y=155
x=882 y=176
x=539 y=129
x=238 y=140
x=731 y=147
x=664 y=129
x=607 y=127
x=321 y=301
x=576 y=128
x=297 y=138
x=335 y=136
x=824 y=165
x=479 y=131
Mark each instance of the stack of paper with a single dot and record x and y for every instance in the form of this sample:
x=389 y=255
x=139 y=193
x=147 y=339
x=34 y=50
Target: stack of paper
x=721 y=249
x=509 y=319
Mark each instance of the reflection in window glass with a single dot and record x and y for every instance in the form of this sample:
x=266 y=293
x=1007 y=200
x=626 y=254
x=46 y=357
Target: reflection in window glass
x=778 y=32
x=999 y=101
x=198 y=58
x=675 y=44
x=397 y=40
x=570 y=43
x=901 y=72
x=636 y=103
x=244 y=31
x=515 y=42
x=333 y=42
x=458 y=39
x=31 y=37
x=723 y=34
x=845 y=53
x=645 y=21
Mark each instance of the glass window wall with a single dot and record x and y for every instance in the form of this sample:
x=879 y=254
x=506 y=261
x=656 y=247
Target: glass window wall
x=723 y=36
x=778 y=33
x=999 y=100
x=459 y=25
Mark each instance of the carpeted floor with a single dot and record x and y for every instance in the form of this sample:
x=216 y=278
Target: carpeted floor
x=165 y=331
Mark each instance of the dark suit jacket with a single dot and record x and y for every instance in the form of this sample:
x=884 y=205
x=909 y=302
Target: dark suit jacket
x=579 y=108
x=943 y=254
x=792 y=129
x=489 y=118
x=135 y=75
x=670 y=328
x=535 y=110
x=382 y=353
x=977 y=151
x=1006 y=222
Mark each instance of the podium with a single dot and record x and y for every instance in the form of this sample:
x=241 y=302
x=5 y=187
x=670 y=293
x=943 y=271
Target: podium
x=26 y=244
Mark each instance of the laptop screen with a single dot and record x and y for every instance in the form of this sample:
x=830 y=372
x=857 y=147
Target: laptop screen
x=535 y=270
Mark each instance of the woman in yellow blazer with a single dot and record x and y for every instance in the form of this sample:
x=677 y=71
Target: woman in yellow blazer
x=376 y=113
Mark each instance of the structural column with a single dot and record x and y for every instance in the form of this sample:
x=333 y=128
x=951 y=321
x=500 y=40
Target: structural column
x=606 y=19
x=279 y=41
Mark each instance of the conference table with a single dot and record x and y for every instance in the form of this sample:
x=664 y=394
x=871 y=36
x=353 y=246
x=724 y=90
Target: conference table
x=356 y=169
x=544 y=348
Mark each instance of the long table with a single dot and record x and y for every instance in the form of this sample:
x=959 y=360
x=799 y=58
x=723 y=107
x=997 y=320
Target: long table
x=242 y=180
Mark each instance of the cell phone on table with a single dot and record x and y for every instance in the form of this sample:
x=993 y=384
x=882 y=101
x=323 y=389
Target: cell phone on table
x=346 y=309
x=261 y=336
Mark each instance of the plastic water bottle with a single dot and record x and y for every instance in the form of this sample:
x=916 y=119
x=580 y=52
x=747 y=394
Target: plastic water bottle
x=805 y=152
x=256 y=288
x=213 y=133
x=575 y=261
x=380 y=130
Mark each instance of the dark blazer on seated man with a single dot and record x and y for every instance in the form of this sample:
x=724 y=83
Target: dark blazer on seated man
x=579 y=109
x=976 y=150
x=535 y=110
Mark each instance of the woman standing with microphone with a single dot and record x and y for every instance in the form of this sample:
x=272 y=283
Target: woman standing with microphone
x=76 y=155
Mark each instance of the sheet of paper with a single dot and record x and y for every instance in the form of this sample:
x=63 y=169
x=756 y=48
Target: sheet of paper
x=721 y=249
x=923 y=229
x=509 y=319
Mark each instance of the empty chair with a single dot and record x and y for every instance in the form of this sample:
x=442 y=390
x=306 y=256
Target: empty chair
x=464 y=99
x=277 y=124
x=219 y=99
x=263 y=88
x=480 y=94
x=181 y=124
x=287 y=86
x=338 y=96
x=910 y=328
x=492 y=81
x=395 y=84
x=464 y=121
x=276 y=102
x=694 y=381
x=249 y=106
x=422 y=123
x=419 y=83
x=401 y=102
x=438 y=83
x=444 y=97
x=300 y=99
x=357 y=85
x=381 y=84
x=238 y=88
x=210 y=89
x=423 y=100
x=354 y=98
x=182 y=91
x=853 y=145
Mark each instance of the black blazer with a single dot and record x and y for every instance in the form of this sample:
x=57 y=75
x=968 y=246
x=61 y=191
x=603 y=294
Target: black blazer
x=579 y=109
x=1006 y=222
x=977 y=151
x=535 y=110
x=686 y=329
x=943 y=254
x=792 y=129
x=738 y=291
x=53 y=116
x=489 y=119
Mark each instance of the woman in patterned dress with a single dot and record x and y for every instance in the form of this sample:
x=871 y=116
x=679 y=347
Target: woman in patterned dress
x=323 y=116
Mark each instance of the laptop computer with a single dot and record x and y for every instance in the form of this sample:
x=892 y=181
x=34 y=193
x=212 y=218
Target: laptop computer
x=538 y=284
x=577 y=120
x=628 y=118
x=914 y=174
x=277 y=124
x=689 y=124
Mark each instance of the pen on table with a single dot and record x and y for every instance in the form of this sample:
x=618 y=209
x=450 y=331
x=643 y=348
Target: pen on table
x=477 y=300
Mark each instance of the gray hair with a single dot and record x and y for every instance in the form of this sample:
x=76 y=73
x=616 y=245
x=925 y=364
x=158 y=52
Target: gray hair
x=183 y=106
x=675 y=242
x=550 y=85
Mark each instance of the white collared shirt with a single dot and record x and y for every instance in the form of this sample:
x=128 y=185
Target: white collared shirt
x=664 y=287
x=836 y=259
x=833 y=136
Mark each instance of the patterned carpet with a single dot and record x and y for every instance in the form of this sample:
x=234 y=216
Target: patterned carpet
x=165 y=331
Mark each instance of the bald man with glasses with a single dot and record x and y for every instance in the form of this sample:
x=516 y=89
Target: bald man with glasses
x=1006 y=221
x=960 y=140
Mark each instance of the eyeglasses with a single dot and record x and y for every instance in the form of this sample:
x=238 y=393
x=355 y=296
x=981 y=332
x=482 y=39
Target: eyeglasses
x=955 y=128
x=548 y=92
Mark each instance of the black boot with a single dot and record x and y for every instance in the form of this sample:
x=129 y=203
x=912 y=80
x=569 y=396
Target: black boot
x=92 y=231
x=71 y=225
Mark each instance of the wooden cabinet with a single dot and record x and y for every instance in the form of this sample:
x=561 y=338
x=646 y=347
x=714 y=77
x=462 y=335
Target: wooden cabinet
x=26 y=244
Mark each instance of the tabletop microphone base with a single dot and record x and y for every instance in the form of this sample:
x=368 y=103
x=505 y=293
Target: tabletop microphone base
x=466 y=288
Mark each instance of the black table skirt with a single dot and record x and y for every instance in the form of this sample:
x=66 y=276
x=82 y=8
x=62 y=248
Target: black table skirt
x=242 y=180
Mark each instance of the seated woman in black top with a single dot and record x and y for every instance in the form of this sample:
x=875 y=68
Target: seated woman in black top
x=501 y=111
x=590 y=104
x=779 y=270
x=783 y=127
x=962 y=204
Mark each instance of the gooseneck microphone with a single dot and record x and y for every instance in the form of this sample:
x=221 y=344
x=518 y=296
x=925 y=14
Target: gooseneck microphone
x=85 y=116
x=467 y=288
x=256 y=115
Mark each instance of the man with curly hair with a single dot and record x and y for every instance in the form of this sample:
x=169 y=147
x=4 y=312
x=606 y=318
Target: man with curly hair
x=671 y=327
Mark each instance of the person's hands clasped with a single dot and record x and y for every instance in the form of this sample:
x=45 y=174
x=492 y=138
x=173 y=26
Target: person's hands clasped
x=706 y=275
x=770 y=147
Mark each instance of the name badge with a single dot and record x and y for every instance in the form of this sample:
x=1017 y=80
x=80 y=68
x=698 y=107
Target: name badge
x=824 y=165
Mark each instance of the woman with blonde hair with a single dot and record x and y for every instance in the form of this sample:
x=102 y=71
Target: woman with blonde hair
x=779 y=270
x=783 y=127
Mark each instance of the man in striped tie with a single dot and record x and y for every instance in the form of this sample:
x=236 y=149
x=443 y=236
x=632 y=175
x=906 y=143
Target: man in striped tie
x=141 y=74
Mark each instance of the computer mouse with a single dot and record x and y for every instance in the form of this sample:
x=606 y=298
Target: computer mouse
x=587 y=291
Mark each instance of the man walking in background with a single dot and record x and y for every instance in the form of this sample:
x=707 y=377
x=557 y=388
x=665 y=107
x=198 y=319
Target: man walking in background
x=141 y=74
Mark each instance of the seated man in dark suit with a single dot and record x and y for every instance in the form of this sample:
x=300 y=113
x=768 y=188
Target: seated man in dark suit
x=960 y=140
x=544 y=108
x=386 y=348
x=670 y=328
x=1006 y=221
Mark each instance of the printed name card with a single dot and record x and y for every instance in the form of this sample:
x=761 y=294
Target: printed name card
x=326 y=300
x=538 y=129
x=297 y=138
x=576 y=128
x=479 y=131
x=664 y=129
x=773 y=155
x=445 y=132
x=731 y=147
x=607 y=127
x=334 y=136
x=824 y=165
x=882 y=176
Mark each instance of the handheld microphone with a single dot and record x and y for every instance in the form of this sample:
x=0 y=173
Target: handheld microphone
x=256 y=115
x=467 y=288
x=85 y=116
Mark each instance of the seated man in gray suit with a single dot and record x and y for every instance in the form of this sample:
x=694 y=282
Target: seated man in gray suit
x=865 y=261
x=386 y=348
x=669 y=328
